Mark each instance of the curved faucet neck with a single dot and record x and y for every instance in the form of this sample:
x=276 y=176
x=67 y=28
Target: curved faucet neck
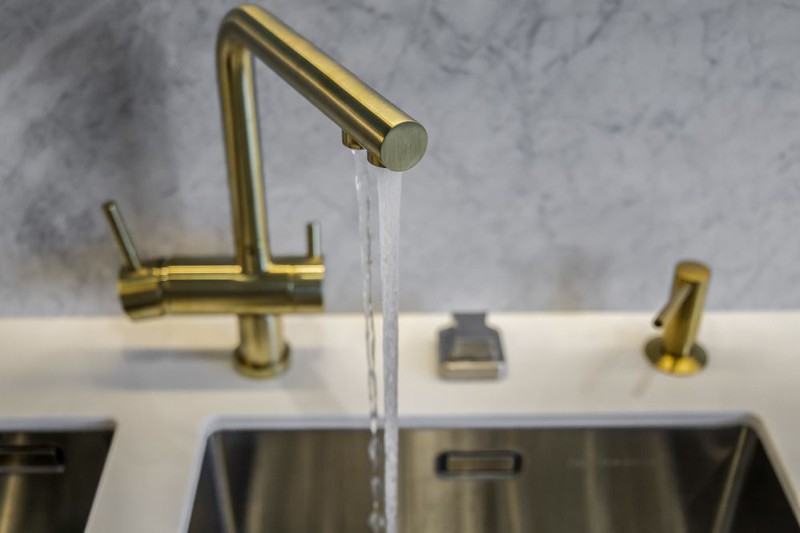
x=391 y=137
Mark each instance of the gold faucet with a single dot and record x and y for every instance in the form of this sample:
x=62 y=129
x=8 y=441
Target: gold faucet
x=255 y=286
x=676 y=352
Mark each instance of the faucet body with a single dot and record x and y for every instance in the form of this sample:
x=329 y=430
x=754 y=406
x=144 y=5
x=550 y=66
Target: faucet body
x=254 y=285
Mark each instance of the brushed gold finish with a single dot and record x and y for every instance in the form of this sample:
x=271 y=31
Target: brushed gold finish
x=121 y=235
x=314 y=237
x=375 y=160
x=255 y=286
x=214 y=285
x=676 y=351
x=679 y=296
x=350 y=142
x=385 y=131
x=256 y=359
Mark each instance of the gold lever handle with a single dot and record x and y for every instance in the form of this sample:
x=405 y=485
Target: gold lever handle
x=676 y=351
x=314 y=235
x=121 y=235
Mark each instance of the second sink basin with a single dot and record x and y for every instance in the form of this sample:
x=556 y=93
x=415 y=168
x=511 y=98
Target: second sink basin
x=561 y=480
x=48 y=479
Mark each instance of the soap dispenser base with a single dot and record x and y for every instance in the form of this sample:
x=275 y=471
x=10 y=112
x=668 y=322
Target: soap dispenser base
x=677 y=365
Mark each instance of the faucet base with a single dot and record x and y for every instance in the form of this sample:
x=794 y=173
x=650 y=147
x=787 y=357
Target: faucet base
x=262 y=352
x=262 y=370
x=675 y=364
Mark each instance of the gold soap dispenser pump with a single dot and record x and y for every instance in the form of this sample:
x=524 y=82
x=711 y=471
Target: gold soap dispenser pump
x=676 y=351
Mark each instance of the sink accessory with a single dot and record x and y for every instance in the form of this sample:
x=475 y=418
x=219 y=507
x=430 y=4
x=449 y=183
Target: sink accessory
x=470 y=349
x=676 y=351
x=254 y=285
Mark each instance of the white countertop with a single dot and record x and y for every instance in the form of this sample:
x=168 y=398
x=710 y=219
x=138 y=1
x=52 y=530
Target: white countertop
x=166 y=384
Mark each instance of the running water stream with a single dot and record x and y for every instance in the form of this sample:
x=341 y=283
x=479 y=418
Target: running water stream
x=389 y=185
x=364 y=192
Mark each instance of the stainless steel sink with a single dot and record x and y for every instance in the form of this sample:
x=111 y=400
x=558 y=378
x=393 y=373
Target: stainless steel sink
x=48 y=479
x=560 y=480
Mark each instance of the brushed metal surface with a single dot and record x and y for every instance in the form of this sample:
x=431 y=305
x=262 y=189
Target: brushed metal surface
x=258 y=287
x=716 y=479
x=48 y=479
x=676 y=352
x=470 y=349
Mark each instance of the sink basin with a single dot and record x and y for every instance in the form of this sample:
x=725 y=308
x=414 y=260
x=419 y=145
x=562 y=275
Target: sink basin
x=561 y=480
x=48 y=479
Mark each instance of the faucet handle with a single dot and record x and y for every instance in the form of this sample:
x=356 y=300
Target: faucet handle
x=121 y=235
x=314 y=236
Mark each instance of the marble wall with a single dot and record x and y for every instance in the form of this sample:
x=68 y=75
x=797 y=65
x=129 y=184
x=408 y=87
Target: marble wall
x=577 y=148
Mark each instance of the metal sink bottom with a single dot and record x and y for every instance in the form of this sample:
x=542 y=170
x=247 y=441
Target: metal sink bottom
x=48 y=479
x=559 y=480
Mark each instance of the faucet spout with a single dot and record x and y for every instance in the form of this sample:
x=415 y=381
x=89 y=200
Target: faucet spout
x=391 y=137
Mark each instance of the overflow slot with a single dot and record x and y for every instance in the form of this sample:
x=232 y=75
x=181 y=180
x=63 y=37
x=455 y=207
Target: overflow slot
x=483 y=464
x=31 y=459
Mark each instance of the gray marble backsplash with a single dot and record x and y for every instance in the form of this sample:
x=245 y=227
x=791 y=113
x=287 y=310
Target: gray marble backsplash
x=578 y=149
